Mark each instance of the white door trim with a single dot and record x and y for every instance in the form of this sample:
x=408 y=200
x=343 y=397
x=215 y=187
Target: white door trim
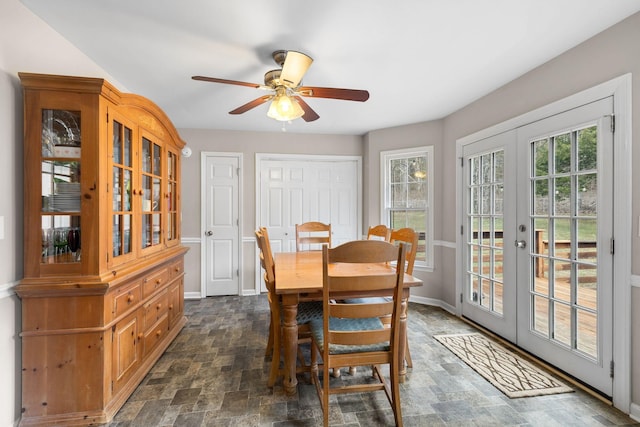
x=203 y=259
x=620 y=89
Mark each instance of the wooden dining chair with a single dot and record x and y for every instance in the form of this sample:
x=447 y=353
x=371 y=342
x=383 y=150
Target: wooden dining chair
x=379 y=232
x=307 y=311
x=353 y=334
x=409 y=237
x=312 y=233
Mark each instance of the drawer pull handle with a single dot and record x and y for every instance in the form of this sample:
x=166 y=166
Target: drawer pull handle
x=140 y=335
x=177 y=269
x=158 y=281
x=130 y=298
x=158 y=332
x=159 y=306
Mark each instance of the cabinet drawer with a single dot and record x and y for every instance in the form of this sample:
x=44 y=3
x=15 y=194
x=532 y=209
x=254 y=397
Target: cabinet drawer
x=126 y=297
x=155 y=281
x=155 y=309
x=155 y=334
x=176 y=269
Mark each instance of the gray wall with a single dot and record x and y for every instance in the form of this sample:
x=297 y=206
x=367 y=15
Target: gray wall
x=247 y=143
x=416 y=135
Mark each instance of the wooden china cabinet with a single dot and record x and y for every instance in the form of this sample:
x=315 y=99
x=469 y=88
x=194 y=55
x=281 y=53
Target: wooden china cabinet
x=102 y=294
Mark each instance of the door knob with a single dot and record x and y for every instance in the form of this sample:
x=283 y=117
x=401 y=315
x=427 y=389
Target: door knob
x=209 y=233
x=520 y=244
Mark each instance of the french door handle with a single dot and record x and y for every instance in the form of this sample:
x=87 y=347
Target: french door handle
x=520 y=244
x=209 y=233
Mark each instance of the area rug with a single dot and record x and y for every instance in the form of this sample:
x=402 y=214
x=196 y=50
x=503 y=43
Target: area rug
x=506 y=370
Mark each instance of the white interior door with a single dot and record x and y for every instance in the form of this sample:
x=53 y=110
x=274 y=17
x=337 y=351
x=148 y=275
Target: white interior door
x=297 y=189
x=538 y=227
x=221 y=225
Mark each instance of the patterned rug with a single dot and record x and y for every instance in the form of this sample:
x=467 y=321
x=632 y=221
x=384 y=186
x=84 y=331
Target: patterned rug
x=506 y=370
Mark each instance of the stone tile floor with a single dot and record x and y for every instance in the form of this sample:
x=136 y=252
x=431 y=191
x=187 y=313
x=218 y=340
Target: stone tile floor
x=215 y=374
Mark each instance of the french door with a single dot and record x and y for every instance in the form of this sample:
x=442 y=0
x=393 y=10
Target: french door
x=538 y=239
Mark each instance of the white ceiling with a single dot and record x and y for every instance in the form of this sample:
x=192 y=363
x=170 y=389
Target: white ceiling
x=419 y=59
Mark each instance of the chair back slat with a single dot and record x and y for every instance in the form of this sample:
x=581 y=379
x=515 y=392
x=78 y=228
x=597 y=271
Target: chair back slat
x=355 y=311
x=312 y=233
x=379 y=232
x=360 y=337
x=409 y=237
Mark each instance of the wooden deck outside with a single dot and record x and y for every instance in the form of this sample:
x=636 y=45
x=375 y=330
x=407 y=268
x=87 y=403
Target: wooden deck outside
x=560 y=291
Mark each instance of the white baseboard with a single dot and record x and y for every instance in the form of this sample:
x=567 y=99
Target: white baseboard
x=432 y=301
x=6 y=290
x=192 y=295
x=634 y=412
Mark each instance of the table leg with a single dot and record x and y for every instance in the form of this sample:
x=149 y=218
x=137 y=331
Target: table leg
x=402 y=332
x=290 y=342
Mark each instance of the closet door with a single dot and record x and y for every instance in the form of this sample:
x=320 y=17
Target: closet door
x=293 y=190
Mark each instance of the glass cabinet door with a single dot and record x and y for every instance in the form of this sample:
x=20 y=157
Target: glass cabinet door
x=151 y=193
x=171 y=195
x=122 y=186
x=60 y=170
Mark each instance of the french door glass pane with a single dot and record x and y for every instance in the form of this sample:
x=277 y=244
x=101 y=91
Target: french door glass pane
x=485 y=239
x=564 y=250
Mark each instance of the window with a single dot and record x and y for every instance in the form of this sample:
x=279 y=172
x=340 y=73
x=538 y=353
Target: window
x=407 y=199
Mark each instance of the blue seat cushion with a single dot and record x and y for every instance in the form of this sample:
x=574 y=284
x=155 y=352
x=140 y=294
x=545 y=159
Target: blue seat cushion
x=369 y=300
x=338 y=324
x=309 y=310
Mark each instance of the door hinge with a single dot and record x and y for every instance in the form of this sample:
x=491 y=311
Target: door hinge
x=613 y=246
x=238 y=171
x=461 y=162
x=613 y=123
x=461 y=230
x=611 y=366
x=238 y=272
x=461 y=297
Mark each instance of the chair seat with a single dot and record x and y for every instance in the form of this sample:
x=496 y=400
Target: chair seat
x=309 y=310
x=371 y=323
x=369 y=300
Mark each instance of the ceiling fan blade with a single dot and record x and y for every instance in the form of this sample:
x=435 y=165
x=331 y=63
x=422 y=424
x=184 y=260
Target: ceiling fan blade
x=229 y=82
x=333 y=93
x=294 y=67
x=252 y=104
x=309 y=114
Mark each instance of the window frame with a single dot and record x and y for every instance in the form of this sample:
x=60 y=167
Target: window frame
x=386 y=156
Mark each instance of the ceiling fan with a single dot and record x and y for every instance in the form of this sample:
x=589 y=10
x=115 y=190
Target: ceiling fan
x=286 y=90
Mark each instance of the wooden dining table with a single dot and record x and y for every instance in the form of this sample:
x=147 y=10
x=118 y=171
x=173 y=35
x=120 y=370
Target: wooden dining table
x=299 y=277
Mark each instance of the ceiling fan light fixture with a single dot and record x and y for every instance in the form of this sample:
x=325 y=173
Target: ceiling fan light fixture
x=284 y=108
x=295 y=66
